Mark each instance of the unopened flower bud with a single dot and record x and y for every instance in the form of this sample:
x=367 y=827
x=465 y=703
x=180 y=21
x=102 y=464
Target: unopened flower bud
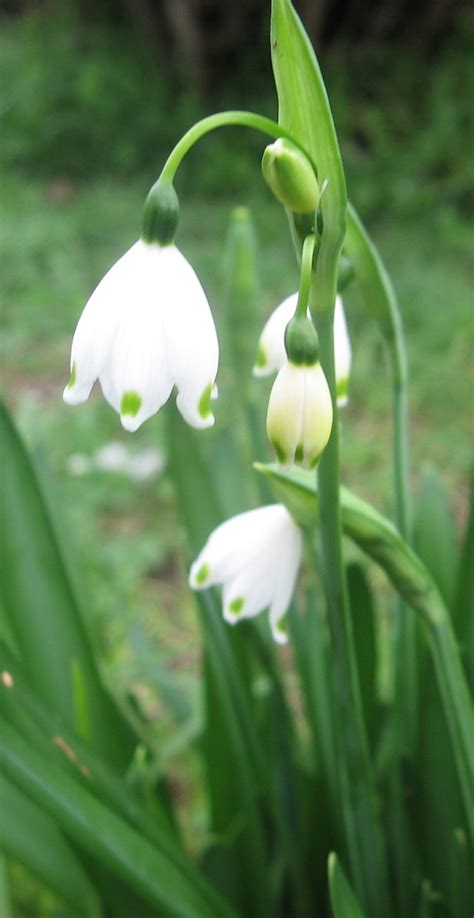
x=299 y=418
x=161 y=214
x=291 y=177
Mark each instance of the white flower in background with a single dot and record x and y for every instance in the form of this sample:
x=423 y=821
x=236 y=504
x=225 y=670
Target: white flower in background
x=141 y=466
x=255 y=557
x=299 y=416
x=146 y=328
x=271 y=348
x=115 y=457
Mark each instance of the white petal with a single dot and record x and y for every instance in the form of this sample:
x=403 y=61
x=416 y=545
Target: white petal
x=234 y=544
x=96 y=328
x=252 y=590
x=342 y=351
x=285 y=412
x=256 y=556
x=285 y=580
x=271 y=347
x=317 y=415
x=192 y=339
x=139 y=360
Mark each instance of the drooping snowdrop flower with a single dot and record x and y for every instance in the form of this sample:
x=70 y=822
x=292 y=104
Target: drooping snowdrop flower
x=299 y=417
x=146 y=328
x=255 y=557
x=271 y=354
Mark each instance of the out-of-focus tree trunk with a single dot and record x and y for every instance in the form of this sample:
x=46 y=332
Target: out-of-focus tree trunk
x=184 y=25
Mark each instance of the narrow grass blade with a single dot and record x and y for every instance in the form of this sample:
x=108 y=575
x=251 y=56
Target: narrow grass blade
x=101 y=833
x=463 y=605
x=364 y=625
x=434 y=535
x=436 y=813
x=243 y=325
x=29 y=835
x=43 y=611
x=47 y=733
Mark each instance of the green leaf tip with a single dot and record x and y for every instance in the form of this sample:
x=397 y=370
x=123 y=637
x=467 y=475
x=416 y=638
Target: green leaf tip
x=130 y=404
x=343 y=899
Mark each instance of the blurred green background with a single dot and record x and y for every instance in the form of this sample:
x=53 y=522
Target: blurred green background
x=93 y=96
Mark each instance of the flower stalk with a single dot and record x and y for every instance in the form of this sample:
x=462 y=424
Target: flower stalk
x=380 y=299
x=233 y=118
x=304 y=107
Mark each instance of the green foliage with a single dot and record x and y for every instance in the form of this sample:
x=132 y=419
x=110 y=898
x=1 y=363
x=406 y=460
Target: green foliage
x=73 y=98
x=68 y=87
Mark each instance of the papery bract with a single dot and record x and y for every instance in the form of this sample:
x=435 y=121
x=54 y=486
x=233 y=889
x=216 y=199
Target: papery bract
x=255 y=557
x=146 y=328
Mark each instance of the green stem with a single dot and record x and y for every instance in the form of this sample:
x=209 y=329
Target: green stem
x=306 y=276
x=381 y=301
x=379 y=297
x=356 y=781
x=212 y=123
x=382 y=542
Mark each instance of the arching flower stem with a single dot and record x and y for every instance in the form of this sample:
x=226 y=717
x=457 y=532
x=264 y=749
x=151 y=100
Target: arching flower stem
x=213 y=122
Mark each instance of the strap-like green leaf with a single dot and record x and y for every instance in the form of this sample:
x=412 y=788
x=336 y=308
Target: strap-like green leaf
x=384 y=544
x=149 y=871
x=47 y=733
x=434 y=535
x=43 y=610
x=463 y=611
x=28 y=835
x=364 y=626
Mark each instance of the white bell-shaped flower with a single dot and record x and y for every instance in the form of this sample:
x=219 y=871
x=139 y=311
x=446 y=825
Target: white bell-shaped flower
x=271 y=355
x=255 y=557
x=299 y=416
x=146 y=328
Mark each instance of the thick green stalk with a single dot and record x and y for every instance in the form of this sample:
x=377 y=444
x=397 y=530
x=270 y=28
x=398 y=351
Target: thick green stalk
x=356 y=781
x=380 y=299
